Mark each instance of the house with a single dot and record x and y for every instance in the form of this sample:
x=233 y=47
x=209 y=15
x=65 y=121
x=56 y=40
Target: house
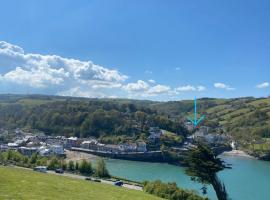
x=43 y=151
x=13 y=145
x=72 y=142
x=3 y=147
x=111 y=148
x=189 y=126
x=28 y=151
x=128 y=147
x=90 y=144
x=58 y=140
x=56 y=149
x=141 y=147
x=203 y=131
x=155 y=134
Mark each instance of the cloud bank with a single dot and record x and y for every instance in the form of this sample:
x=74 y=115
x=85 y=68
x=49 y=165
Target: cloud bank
x=23 y=72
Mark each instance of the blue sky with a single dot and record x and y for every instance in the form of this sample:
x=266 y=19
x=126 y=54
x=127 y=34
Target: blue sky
x=185 y=48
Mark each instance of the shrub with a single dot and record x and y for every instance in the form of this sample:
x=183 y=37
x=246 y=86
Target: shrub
x=169 y=191
x=85 y=168
x=101 y=169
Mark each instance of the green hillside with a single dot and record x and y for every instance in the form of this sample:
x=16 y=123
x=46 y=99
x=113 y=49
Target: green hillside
x=247 y=120
x=20 y=184
x=111 y=120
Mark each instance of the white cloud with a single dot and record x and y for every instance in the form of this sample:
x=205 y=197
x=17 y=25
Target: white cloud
x=151 y=81
x=138 y=86
x=55 y=73
x=177 y=68
x=263 y=85
x=201 y=88
x=37 y=78
x=143 y=89
x=189 y=88
x=23 y=72
x=42 y=70
x=223 y=86
x=80 y=92
x=159 y=89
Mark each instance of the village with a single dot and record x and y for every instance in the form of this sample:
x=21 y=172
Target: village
x=44 y=145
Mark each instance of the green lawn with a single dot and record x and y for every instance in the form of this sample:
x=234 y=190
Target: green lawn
x=28 y=185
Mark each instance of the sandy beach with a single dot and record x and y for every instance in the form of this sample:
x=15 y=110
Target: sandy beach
x=77 y=156
x=239 y=153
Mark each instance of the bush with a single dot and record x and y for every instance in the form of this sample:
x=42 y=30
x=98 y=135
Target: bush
x=71 y=166
x=169 y=191
x=101 y=169
x=54 y=164
x=77 y=166
x=85 y=168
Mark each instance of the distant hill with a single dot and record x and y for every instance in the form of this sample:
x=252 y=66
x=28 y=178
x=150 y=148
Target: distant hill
x=246 y=119
x=112 y=120
x=242 y=117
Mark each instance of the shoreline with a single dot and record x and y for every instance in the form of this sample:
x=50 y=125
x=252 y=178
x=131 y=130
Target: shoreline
x=238 y=153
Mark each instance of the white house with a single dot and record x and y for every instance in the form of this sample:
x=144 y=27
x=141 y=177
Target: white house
x=57 y=149
x=128 y=147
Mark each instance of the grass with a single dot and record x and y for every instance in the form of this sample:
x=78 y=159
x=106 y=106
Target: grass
x=261 y=147
x=24 y=184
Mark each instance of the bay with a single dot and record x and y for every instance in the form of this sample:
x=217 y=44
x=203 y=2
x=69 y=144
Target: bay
x=249 y=179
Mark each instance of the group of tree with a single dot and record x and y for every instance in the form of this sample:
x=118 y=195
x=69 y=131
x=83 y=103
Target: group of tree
x=16 y=158
x=84 y=167
x=85 y=118
x=81 y=167
x=170 y=191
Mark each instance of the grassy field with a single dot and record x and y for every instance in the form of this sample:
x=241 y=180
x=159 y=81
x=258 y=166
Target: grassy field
x=28 y=185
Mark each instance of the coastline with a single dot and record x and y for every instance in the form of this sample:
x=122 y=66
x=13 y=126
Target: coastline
x=238 y=153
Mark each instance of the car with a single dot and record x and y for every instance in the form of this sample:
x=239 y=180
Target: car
x=96 y=180
x=59 y=171
x=92 y=179
x=118 y=183
x=42 y=169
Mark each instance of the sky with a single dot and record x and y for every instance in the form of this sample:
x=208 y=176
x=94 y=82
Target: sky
x=154 y=49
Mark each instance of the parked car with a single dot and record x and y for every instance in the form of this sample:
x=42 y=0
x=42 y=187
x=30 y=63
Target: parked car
x=96 y=180
x=42 y=169
x=59 y=171
x=92 y=179
x=118 y=183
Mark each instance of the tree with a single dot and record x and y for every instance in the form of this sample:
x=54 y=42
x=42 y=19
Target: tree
x=203 y=166
x=71 y=166
x=33 y=158
x=101 y=170
x=85 y=167
x=169 y=191
x=77 y=166
x=64 y=165
x=54 y=164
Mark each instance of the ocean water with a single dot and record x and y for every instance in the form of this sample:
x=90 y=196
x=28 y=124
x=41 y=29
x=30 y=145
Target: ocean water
x=249 y=179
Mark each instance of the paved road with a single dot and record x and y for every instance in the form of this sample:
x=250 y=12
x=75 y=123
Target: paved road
x=129 y=186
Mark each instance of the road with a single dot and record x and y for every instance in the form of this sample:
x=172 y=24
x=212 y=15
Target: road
x=76 y=176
